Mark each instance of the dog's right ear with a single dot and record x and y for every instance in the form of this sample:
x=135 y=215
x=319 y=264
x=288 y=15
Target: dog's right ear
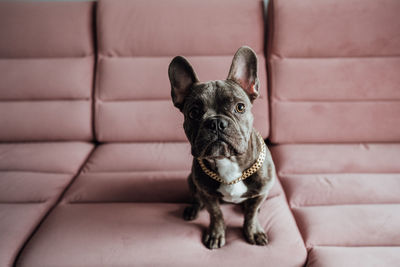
x=182 y=77
x=244 y=71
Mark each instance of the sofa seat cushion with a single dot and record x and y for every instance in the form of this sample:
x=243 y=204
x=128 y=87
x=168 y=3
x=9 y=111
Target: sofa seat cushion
x=354 y=256
x=154 y=234
x=136 y=172
x=38 y=172
x=132 y=172
x=32 y=178
x=17 y=222
x=46 y=157
x=345 y=197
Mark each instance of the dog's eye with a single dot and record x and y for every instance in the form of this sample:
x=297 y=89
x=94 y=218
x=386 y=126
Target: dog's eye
x=194 y=113
x=240 y=108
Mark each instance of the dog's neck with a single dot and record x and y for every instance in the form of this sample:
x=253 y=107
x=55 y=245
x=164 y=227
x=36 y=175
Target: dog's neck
x=231 y=168
x=228 y=169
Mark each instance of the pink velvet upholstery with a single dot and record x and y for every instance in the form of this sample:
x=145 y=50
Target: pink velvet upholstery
x=17 y=223
x=335 y=63
x=46 y=76
x=135 y=49
x=154 y=234
x=134 y=172
x=333 y=69
x=101 y=213
x=35 y=172
x=125 y=208
x=334 y=76
x=354 y=256
x=32 y=178
x=345 y=198
x=46 y=71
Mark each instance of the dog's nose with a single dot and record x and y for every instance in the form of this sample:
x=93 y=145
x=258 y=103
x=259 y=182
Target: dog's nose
x=216 y=124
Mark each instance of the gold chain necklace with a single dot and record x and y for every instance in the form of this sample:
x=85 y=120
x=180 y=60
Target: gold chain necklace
x=250 y=171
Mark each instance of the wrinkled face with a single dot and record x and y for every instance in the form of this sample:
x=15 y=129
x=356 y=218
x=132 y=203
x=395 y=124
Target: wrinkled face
x=218 y=119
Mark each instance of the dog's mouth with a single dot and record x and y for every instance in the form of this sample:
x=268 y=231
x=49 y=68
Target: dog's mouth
x=218 y=148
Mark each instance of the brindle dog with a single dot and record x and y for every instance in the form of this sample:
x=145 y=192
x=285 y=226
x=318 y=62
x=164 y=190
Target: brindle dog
x=219 y=126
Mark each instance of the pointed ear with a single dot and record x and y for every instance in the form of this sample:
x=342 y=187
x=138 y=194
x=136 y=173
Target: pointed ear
x=182 y=77
x=244 y=71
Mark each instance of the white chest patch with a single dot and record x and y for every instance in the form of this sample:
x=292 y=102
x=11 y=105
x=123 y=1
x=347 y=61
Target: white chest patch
x=229 y=171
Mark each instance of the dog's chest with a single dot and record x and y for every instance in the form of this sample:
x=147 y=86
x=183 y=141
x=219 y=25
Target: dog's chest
x=229 y=171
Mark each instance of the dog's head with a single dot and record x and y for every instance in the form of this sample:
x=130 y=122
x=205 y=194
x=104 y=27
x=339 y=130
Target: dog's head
x=218 y=119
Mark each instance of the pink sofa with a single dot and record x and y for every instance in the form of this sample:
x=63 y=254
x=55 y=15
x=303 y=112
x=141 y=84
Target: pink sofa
x=93 y=158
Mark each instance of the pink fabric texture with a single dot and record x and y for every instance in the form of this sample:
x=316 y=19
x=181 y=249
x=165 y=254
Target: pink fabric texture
x=29 y=79
x=130 y=96
x=92 y=218
x=353 y=225
x=188 y=27
x=50 y=157
x=133 y=106
x=345 y=198
x=354 y=256
x=17 y=222
x=136 y=172
x=334 y=79
x=46 y=66
x=337 y=158
x=341 y=188
x=36 y=172
x=115 y=171
x=336 y=121
x=64 y=120
x=335 y=28
x=122 y=234
x=132 y=83
x=46 y=73
x=333 y=72
x=335 y=65
x=65 y=27
x=32 y=178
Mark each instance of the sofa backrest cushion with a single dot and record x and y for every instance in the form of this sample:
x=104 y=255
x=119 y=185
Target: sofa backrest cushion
x=46 y=70
x=334 y=71
x=138 y=39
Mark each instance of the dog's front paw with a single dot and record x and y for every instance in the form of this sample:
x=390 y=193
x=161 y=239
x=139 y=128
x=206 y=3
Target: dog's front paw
x=214 y=239
x=190 y=213
x=257 y=238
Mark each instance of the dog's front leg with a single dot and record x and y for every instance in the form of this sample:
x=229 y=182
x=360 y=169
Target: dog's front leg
x=215 y=235
x=253 y=231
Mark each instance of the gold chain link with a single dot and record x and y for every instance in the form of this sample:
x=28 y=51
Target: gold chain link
x=247 y=173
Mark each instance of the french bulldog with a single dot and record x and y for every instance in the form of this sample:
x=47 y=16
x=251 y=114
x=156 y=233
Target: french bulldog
x=231 y=161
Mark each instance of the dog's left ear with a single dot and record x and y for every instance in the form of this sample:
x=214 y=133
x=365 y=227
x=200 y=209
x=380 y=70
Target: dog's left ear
x=182 y=77
x=243 y=71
